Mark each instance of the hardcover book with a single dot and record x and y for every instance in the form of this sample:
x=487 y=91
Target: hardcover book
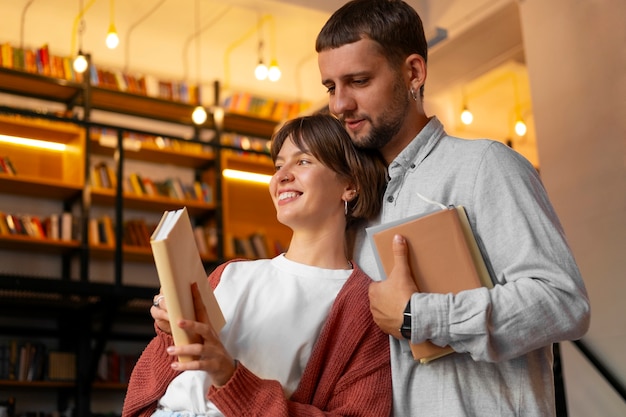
x=443 y=255
x=179 y=265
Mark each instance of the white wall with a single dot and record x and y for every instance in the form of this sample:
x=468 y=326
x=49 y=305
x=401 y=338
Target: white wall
x=576 y=59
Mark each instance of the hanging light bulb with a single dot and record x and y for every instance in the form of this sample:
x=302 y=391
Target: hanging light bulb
x=261 y=72
x=80 y=63
x=520 y=127
x=466 y=116
x=112 y=40
x=199 y=115
x=274 y=71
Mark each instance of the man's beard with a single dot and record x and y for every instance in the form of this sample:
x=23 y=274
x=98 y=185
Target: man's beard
x=388 y=124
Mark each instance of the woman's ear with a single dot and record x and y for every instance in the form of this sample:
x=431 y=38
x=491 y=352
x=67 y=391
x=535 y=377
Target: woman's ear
x=349 y=193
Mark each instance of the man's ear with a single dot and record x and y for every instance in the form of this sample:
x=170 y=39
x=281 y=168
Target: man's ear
x=416 y=71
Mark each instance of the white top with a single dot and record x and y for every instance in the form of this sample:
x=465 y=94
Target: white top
x=274 y=311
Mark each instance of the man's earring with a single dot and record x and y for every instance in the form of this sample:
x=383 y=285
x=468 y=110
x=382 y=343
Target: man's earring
x=413 y=94
x=345 y=207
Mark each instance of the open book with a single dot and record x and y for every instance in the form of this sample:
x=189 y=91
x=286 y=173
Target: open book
x=443 y=255
x=179 y=265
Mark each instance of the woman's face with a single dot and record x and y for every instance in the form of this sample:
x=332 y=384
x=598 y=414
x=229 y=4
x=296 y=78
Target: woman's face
x=306 y=193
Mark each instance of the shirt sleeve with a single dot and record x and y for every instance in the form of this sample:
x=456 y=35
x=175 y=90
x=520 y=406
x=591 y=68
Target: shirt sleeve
x=538 y=298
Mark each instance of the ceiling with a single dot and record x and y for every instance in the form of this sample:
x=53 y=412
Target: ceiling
x=481 y=58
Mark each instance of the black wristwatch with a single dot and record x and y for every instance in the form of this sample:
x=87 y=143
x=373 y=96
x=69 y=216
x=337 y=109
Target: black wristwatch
x=405 y=330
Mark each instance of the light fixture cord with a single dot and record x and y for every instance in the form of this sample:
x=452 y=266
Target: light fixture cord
x=132 y=27
x=23 y=22
x=79 y=20
x=198 y=49
x=112 y=10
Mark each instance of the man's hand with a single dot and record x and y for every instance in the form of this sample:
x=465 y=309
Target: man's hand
x=388 y=298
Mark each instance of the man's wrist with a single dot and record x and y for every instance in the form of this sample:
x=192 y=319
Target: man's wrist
x=405 y=329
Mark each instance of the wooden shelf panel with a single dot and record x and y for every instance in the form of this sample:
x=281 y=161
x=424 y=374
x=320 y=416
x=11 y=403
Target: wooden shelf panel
x=142 y=106
x=38 y=86
x=38 y=187
x=103 y=386
x=130 y=253
x=149 y=152
x=106 y=197
x=28 y=243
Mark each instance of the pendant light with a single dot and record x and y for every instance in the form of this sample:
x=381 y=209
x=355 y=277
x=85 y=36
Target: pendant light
x=199 y=114
x=112 y=40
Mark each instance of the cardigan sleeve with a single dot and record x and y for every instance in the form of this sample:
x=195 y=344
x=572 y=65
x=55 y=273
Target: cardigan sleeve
x=150 y=377
x=152 y=373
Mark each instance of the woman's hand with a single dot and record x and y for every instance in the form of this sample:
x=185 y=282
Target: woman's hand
x=210 y=355
x=158 y=311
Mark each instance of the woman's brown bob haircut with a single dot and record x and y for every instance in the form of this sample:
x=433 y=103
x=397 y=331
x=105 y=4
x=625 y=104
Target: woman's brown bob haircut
x=324 y=137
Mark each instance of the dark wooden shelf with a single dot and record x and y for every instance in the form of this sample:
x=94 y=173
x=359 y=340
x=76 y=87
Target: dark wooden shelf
x=106 y=197
x=28 y=243
x=39 y=86
x=37 y=187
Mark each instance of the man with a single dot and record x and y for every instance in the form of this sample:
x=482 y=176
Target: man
x=372 y=59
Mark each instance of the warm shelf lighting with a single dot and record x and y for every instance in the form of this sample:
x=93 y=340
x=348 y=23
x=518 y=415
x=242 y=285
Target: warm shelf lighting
x=274 y=72
x=16 y=140
x=520 y=127
x=466 y=116
x=246 y=176
x=80 y=63
x=218 y=116
x=199 y=115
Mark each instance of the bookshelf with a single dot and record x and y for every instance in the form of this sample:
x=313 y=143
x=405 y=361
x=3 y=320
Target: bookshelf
x=85 y=315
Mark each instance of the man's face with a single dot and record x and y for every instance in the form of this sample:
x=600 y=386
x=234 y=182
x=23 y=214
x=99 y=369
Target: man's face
x=365 y=93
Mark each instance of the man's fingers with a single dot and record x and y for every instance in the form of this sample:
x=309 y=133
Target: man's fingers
x=400 y=254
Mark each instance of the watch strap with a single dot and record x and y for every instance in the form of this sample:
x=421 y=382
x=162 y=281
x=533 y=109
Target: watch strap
x=407 y=321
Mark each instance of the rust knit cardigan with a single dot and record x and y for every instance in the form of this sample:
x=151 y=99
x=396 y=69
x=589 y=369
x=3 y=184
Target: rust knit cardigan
x=348 y=373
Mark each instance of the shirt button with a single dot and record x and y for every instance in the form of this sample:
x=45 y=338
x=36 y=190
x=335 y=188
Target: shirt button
x=390 y=199
x=412 y=166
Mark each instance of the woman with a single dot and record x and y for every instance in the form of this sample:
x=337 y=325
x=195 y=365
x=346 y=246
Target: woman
x=299 y=324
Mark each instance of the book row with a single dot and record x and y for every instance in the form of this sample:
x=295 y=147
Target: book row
x=136 y=232
x=103 y=176
x=135 y=141
x=265 y=108
x=61 y=226
x=33 y=361
x=41 y=61
x=6 y=166
x=115 y=367
x=254 y=246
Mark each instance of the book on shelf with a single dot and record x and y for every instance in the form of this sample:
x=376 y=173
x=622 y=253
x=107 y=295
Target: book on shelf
x=443 y=255
x=179 y=265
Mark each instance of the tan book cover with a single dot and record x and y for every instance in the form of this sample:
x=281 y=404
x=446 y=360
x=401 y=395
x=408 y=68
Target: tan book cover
x=179 y=265
x=443 y=255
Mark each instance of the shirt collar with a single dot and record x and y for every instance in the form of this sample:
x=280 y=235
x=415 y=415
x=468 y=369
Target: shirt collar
x=419 y=147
